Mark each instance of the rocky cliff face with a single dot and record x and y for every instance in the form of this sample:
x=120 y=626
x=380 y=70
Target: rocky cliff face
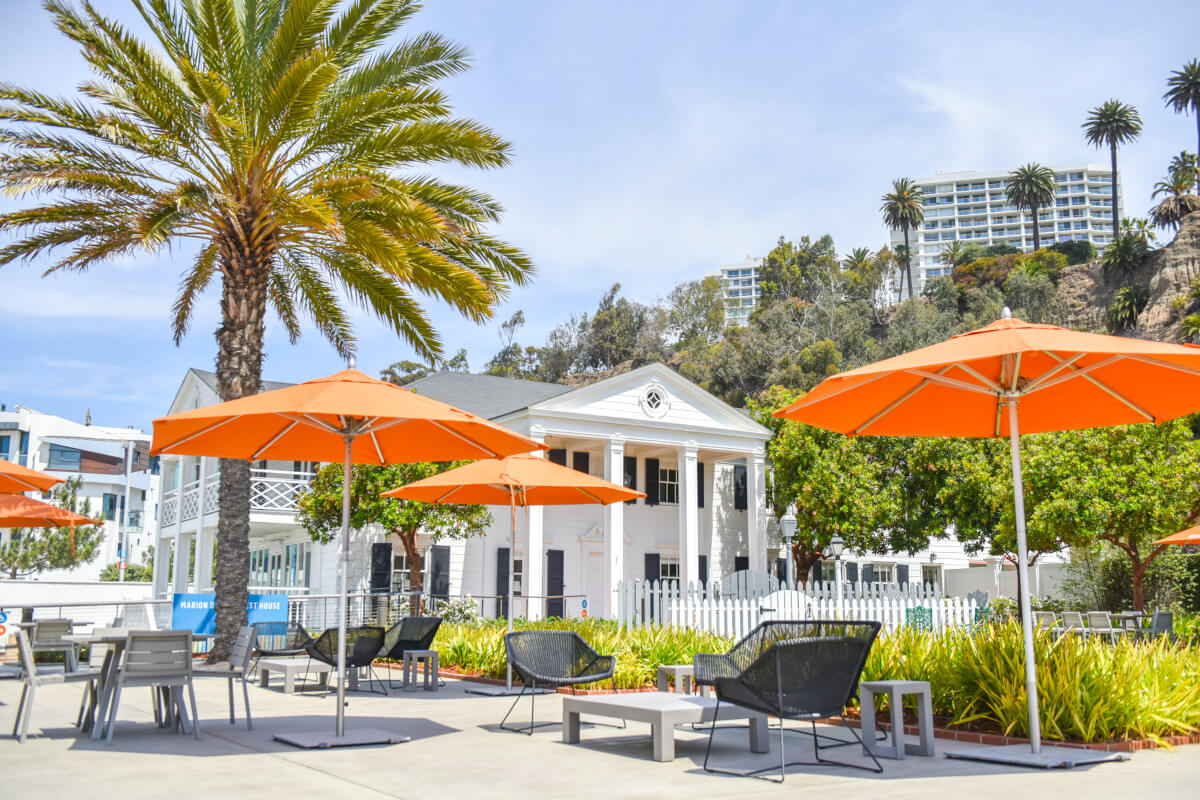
x=1168 y=273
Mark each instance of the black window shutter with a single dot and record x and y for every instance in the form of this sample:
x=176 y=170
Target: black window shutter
x=704 y=571
x=739 y=488
x=815 y=575
x=554 y=583
x=440 y=571
x=741 y=563
x=868 y=573
x=629 y=479
x=851 y=572
x=652 y=566
x=501 y=582
x=651 y=481
x=381 y=567
x=581 y=462
x=699 y=485
x=902 y=574
x=781 y=570
x=558 y=456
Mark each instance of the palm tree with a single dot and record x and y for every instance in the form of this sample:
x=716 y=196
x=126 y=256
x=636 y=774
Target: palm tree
x=1182 y=169
x=953 y=253
x=903 y=209
x=1113 y=124
x=1031 y=186
x=284 y=139
x=1183 y=95
x=859 y=257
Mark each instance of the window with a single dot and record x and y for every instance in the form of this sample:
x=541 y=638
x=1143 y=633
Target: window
x=64 y=458
x=517 y=577
x=4 y=447
x=668 y=485
x=258 y=567
x=884 y=573
x=668 y=569
x=931 y=575
x=295 y=564
x=828 y=571
x=109 y=506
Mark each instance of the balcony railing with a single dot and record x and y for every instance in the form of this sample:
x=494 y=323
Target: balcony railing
x=270 y=490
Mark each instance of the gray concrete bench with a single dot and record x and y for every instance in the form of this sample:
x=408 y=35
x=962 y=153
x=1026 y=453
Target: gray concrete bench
x=663 y=711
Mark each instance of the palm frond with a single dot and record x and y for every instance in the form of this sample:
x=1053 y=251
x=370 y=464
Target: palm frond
x=194 y=282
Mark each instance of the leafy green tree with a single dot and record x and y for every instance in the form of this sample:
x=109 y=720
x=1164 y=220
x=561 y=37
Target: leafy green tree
x=904 y=209
x=696 y=312
x=1124 y=485
x=1113 y=124
x=320 y=510
x=136 y=573
x=290 y=142
x=1032 y=296
x=1077 y=251
x=29 y=551
x=1124 y=255
x=1183 y=95
x=1189 y=328
x=1031 y=186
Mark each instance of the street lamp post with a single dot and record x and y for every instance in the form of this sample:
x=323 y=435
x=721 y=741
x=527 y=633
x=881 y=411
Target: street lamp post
x=834 y=550
x=787 y=527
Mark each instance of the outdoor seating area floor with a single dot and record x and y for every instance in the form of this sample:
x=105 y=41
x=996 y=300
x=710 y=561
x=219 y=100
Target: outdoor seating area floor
x=457 y=751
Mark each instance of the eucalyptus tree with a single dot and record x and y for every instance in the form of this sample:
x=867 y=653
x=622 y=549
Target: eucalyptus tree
x=1114 y=123
x=289 y=141
x=904 y=209
x=1031 y=186
x=1183 y=95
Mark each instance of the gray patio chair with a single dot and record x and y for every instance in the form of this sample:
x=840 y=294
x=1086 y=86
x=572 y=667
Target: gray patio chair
x=1100 y=624
x=158 y=659
x=1072 y=622
x=1046 y=620
x=33 y=681
x=97 y=653
x=552 y=659
x=1162 y=624
x=48 y=638
x=811 y=676
x=239 y=669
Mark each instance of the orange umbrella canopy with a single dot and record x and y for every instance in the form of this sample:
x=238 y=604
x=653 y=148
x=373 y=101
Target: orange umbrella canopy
x=19 y=511
x=15 y=478
x=309 y=421
x=527 y=480
x=1064 y=380
x=1190 y=536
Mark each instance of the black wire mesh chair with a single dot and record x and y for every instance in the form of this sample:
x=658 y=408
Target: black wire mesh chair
x=362 y=648
x=811 y=676
x=279 y=640
x=552 y=658
x=410 y=633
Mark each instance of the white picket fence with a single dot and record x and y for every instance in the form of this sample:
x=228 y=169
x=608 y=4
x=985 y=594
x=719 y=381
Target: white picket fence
x=643 y=603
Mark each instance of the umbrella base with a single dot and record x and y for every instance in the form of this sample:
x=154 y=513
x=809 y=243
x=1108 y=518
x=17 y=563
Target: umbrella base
x=1019 y=755
x=503 y=691
x=359 y=737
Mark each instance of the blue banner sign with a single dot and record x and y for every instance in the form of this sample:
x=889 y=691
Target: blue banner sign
x=198 y=612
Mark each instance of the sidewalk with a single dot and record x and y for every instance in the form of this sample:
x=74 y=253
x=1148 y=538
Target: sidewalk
x=456 y=752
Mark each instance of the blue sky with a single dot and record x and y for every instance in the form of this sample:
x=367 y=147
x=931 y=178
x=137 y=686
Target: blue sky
x=653 y=141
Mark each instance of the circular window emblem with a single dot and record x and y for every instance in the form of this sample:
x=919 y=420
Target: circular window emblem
x=655 y=401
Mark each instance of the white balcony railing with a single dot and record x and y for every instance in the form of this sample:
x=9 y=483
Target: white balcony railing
x=270 y=490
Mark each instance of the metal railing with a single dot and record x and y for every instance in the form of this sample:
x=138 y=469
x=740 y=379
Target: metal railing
x=270 y=490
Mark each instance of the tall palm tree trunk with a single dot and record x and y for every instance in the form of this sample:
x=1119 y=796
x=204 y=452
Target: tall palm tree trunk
x=1116 y=217
x=239 y=373
x=908 y=261
x=1198 y=151
x=1037 y=238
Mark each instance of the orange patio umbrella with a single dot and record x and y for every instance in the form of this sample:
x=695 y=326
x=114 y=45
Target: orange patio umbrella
x=348 y=417
x=1190 y=536
x=1005 y=379
x=15 y=478
x=520 y=480
x=19 y=511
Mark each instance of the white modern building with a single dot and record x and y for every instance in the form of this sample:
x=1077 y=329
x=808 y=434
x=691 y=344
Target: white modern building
x=971 y=207
x=740 y=289
x=105 y=459
x=700 y=462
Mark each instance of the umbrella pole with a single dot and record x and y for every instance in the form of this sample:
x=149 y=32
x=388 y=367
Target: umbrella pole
x=343 y=574
x=512 y=549
x=1014 y=445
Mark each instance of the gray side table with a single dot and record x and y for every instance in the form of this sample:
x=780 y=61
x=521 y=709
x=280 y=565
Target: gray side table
x=896 y=691
x=684 y=676
x=408 y=668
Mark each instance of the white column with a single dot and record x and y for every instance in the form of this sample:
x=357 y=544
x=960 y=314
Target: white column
x=204 y=536
x=535 y=554
x=183 y=550
x=160 y=569
x=614 y=527
x=756 y=510
x=689 y=517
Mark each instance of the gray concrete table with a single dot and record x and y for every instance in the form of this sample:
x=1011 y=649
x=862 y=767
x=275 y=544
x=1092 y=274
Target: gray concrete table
x=684 y=675
x=896 y=691
x=291 y=667
x=412 y=658
x=663 y=711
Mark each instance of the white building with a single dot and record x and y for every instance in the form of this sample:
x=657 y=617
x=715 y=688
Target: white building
x=971 y=207
x=739 y=283
x=95 y=454
x=700 y=462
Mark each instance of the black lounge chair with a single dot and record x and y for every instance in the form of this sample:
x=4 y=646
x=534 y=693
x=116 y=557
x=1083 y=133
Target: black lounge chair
x=362 y=648
x=410 y=633
x=707 y=668
x=551 y=659
x=279 y=640
x=810 y=676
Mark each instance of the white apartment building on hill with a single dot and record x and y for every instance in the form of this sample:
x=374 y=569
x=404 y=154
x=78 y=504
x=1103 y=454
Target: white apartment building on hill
x=739 y=283
x=97 y=455
x=971 y=207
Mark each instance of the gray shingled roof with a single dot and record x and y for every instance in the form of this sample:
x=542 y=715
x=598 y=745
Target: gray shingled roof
x=210 y=379
x=488 y=396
